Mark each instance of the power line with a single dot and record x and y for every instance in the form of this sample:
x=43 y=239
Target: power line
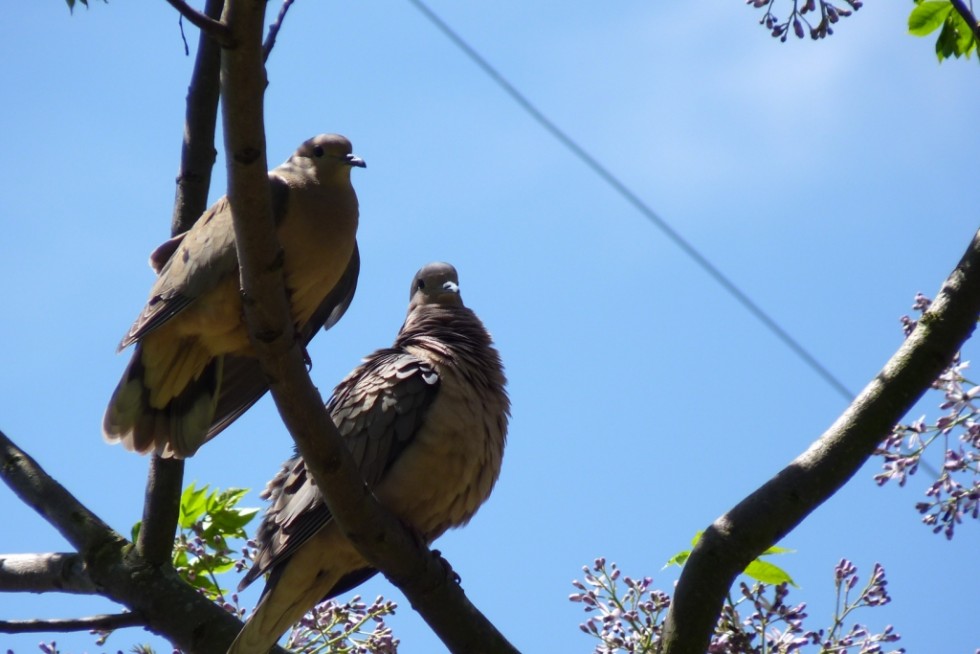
x=635 y=200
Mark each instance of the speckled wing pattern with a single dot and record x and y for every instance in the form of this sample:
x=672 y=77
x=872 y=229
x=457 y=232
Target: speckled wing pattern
x=378 y=409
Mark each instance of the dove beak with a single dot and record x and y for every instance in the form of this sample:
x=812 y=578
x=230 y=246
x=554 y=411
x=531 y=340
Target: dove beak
x=451 y=287
x=354 y=160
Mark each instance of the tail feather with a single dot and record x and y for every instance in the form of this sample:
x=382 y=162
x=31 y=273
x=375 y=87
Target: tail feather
x=278 y=610
x=312 y=574
x=178 y=428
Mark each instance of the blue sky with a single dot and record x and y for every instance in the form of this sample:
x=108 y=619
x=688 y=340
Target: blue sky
x=831 y=181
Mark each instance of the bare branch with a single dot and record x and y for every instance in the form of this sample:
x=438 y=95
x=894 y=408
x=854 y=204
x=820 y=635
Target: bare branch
x=161 y=509
x=270 y=41
x=91 y=623
x=168 y=605
x=82 y=528
x=213 y=28
x=772 y=511
x=165 y=477
x=42 y=573
x=380 y=538
x=197 y=155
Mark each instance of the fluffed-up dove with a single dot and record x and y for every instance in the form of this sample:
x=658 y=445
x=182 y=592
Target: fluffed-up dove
x=193 y=371
x=426 y=422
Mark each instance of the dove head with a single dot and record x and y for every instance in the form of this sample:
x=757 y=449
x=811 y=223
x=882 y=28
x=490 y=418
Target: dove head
x=329 y=154
x=435 y=283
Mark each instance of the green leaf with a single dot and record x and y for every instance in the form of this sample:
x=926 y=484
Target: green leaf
x=946 y=43
x=678 y=559
x=768 y=573
x=230 y=522
x=965 y=42
x=135 y=531
x=180 y=559
x=193 y=503
x=222 y=564
x=928 y=16
x=776 y=549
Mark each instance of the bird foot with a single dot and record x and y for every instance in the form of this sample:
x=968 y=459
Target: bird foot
x=452 y=574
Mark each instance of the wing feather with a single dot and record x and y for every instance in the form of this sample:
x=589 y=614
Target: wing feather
x=378 y=409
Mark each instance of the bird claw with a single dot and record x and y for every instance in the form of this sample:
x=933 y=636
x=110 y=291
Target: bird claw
x=306 y=359
x=452 y=574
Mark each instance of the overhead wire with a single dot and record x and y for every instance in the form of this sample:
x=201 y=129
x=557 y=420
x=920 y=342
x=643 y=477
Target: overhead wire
x=612 y=180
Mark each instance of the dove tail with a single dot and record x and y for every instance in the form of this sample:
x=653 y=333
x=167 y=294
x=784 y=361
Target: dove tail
x=281 y=606
x=178 y=428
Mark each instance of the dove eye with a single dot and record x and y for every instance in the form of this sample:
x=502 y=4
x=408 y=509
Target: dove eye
x=318 y=151
x=421 y=284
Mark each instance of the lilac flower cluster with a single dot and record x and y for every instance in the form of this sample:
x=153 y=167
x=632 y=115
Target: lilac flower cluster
x=736 y=634
x=342 y=628
x=798 y=17
x=329 y=626
x=629 y=622
x=759 y=621
x=955 y=493
x=873 y=594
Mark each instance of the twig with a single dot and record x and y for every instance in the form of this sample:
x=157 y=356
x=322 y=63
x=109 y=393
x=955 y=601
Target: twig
x=772 y=511
x=270 y=41
x=213 y=28
x=379 y=537
x=106 y=622
x=41 y=573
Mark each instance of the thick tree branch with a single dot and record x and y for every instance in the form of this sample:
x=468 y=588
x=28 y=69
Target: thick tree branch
x=963 y=10
x=91 y=623
x=213 y=28
x=381 y=539
x=43 y=573
x=772 y=511
x=80 y=527
x=167 y=604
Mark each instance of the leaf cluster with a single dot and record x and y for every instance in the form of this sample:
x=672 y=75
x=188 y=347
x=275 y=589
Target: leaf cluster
x=956 y=37
x=207 y=521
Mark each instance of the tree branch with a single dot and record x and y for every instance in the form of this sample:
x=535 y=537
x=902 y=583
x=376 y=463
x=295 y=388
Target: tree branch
x=963 y=10
x=270 y=41
x=91 y=623
x=42 y=573
x=213 y=28
x=197 y=155
x=168 y=605
x=165 y=477
x=80 y=527
x=380 y=538
x=772 y=511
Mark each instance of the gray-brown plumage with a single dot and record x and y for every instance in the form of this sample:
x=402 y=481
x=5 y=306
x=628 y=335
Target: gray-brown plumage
x=193 y=371
x=426 y=421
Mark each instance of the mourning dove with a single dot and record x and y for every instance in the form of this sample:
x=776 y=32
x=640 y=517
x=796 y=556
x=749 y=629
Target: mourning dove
x=426 y=422
x=193 y=372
